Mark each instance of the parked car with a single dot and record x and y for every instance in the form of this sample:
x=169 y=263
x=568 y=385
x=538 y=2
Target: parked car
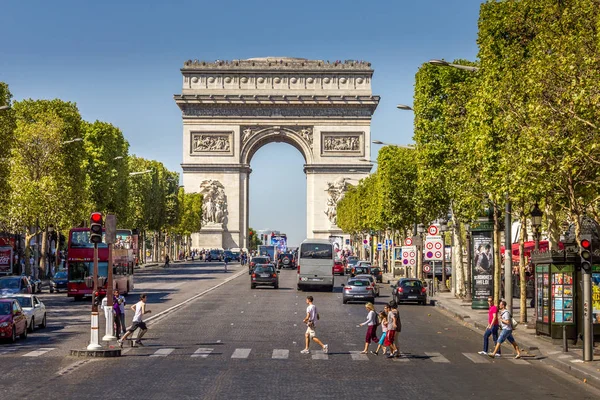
x=236 y=255
x=254 y=261
x=36 y=284
x=358 y=290
x=264 y=274
x=371 y=279
x=338 y=267
x=286 y=260
x=407 y=289
x=360 y=269
x=228 y=256
x=350 y=262
x=377 y=273
x=58 y=282
x=13 y=321
x=14 y=284
x=34 y=310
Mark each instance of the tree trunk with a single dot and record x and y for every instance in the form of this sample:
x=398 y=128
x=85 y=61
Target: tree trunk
x=44 y=261
x=522 y=280
x=553 y=225
x=458 y=270
x=497 y=259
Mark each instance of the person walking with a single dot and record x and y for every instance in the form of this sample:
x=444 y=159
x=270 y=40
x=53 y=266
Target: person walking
x=167 y=259
x=492 y=327
x=393 y=324
x=312 y=315
x=119 y=311
x=506 y=334
x=138 y=322
x=371 y=323
x=384 y=321
x=385 y=266
x=226 y=261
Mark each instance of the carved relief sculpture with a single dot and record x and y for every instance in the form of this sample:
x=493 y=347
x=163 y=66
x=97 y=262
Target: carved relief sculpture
x=214 y=208
x=341 y=143
x=202 y=143
x=305 y=132
x=336 y=191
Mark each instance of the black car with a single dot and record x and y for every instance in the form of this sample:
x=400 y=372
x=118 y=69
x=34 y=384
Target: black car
x=286 y=260
x=58 y=282
x=360 y=270
x=377 y=274
x=228 y=256
x=264 y=274
x=409 y=290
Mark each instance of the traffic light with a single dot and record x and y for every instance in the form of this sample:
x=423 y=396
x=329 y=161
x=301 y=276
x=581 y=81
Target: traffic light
x=585 y=252
x=96 y=228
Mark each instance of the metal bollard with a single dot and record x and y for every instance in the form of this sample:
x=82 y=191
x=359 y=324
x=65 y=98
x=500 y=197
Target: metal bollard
x=565 y=342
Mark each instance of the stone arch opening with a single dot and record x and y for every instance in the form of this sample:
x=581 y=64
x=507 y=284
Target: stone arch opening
x=262 y=137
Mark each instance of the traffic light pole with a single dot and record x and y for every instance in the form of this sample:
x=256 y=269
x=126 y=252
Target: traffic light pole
x=588 y=333
x=94 y=343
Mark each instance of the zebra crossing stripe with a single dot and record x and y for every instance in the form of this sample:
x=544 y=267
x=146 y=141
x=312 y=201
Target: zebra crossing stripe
x=241 y=353
x=38 y=352
x=437 y=357
x=280 y=354
x=202 y=352
x=477 y=358
x=162 y=352
x=356 y=356
x=320 y=356
x=8 y=350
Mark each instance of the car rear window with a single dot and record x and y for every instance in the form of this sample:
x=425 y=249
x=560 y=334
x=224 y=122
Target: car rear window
x=411 y=283
x=260 y=260
x=265 y=269
x=317 y=251
x=359 y=283
x=10 y=283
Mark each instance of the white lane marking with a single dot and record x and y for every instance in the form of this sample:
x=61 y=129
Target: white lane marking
x=356 y=356
x=280 y=354
x=176 y=306
x=8 y=350
x=519 y=361
x=437 y=357
x=320 y=356
x=477 y=358
x=202 y=352
x=162 y=352
x=241 y=353
x=219 y=341
x=38 y=352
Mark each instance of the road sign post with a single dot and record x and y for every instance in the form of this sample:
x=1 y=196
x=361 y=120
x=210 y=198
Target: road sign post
x=110 y=238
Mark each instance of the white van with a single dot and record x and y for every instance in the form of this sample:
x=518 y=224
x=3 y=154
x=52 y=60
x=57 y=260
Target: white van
x=315 y=264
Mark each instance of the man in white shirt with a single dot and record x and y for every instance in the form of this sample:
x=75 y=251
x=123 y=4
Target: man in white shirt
x=310 y=320
x=140 y=309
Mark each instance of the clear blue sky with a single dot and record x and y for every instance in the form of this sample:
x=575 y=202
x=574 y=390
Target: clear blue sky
x=119 y=61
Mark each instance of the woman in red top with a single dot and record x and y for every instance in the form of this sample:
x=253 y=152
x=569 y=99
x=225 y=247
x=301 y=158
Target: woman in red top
x=492 y=327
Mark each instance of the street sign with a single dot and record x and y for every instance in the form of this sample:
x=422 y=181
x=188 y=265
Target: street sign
x=426 y=268
x=408 y=241
x=110 y=228
x=379 y=247
x=433 y=248
x=409 y=256
x=432 y=230
x=347 y=241
x=365 y=241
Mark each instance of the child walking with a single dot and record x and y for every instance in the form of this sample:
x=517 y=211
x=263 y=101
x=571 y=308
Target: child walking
x=383 y=321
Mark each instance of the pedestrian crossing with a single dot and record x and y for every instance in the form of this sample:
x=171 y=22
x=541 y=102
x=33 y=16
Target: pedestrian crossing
x=285 y=354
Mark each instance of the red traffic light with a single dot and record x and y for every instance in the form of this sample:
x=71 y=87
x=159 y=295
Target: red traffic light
x=585 y=244
x=96 y=217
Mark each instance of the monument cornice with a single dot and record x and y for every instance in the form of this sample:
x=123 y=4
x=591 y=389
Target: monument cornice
x=276 y=65
x=216 y=168
x=275 y=99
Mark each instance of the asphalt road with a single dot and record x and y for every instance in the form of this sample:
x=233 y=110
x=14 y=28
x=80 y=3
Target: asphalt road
x=238 y=343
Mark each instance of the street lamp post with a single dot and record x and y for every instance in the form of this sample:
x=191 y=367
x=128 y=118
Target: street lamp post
x=468 y=297
x=443 y=230
x=536 y=225
x=404 y=146
x=4 y=108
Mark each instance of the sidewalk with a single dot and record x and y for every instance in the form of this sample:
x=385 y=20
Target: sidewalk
x=543 y=349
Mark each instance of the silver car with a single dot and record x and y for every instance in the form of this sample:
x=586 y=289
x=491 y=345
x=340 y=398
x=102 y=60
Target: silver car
x=371 y=279
x=34 y=310
x=358 y=290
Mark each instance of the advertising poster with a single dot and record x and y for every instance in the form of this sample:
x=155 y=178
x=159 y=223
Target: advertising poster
x=280 y=242
x=596 y=297
x=6 y=257
x=482 y=268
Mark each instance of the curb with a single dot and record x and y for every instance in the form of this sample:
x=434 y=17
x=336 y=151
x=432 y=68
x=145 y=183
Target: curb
x=526 y=344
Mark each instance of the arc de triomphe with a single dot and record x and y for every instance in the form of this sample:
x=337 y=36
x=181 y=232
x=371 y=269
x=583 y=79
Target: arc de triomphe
x=230 y=109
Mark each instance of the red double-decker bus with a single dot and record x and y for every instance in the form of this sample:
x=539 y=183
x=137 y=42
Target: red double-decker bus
x=80 y=262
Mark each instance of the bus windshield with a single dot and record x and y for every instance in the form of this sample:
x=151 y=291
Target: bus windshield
x=81 y=240
x=79 y=270
x=315 y=250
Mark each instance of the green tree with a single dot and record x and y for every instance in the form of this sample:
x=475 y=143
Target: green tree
x=254 y=240
x=107 y=168
x=7 y=127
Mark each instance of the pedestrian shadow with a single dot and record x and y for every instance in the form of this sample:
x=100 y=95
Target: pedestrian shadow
x=210 y=344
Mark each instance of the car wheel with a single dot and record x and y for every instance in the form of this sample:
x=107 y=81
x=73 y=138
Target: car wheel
x=345 y=301
x=372 y=300
x=52 y=290
x=43 y=324
x=32 y=324
x=252 y=286
x=24 y=334
x=276 y=286
x=13 y=336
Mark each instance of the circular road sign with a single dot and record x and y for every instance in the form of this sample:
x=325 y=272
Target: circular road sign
x=432 y=230
x=413 y=261
x=430 y=254
x=429 y=245
x=412 y=254
x=405 y=254
x=405 y=261
x=438 y=254
x=438 y=245
x=426 y=268
x=408 y=241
